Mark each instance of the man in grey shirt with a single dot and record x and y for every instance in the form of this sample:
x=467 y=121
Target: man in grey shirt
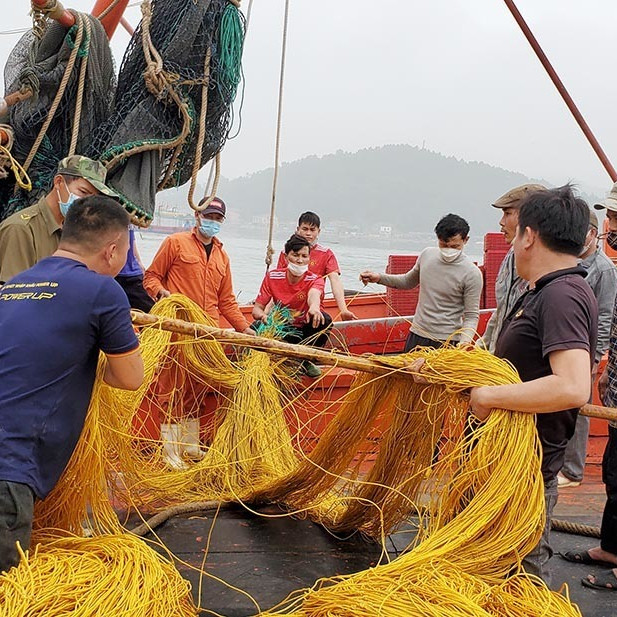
x=450 y=288
x=509 y=286
x=602 y=278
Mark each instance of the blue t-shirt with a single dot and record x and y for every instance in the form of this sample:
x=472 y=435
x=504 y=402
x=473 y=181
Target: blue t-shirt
x=54 y=319
x=132 y=266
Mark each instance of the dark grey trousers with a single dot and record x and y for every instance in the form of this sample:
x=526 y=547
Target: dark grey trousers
x=537 y=561
x=16 y=512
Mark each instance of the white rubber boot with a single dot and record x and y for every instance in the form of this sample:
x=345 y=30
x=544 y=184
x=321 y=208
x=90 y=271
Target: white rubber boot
x=190 y=440
x=172 y=448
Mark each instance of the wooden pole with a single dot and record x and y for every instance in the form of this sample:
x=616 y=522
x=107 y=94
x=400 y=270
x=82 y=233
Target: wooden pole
x=596 y=411
x=302 y=352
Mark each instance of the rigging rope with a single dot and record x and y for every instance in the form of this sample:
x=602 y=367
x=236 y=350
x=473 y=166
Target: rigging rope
x=110 y=8
x=60 y=93
x=201 y=137
x=7 y=160
x=85 y=53
x=269 y=248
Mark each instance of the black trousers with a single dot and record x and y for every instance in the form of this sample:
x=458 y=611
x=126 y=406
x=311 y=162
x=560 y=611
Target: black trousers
x=134 y=289
x=415 y=340
x=316 y=337
x=16 y=514
x=608 y=531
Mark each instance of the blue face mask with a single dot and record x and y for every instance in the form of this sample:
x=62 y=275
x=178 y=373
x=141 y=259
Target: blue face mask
x=65 y=205
x=209 y=228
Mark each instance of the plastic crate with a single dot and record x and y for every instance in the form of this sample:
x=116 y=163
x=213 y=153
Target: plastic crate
x=401 y=301
x=492 y=263
x=495 y=241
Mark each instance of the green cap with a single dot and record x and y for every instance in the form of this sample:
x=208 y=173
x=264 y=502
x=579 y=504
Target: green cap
x=88 y=169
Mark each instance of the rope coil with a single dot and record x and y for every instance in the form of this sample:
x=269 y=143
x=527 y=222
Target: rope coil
x=7 y=161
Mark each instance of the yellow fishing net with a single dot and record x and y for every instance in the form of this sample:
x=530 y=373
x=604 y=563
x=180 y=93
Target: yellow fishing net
x=395 y=451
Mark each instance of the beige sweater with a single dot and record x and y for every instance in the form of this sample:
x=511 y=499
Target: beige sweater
x=449 y=298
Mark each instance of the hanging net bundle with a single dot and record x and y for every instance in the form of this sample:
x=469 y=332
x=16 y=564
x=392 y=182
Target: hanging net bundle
x=395 y=452
x=56 y=67
x=168 y=116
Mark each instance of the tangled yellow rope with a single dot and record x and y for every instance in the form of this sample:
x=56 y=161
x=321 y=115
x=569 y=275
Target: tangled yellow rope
x=394 y=450
x=109 y=575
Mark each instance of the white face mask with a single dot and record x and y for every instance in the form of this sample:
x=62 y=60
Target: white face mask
x=586 y=247
x=449 y=255
x=296 y=270
x=584 y=250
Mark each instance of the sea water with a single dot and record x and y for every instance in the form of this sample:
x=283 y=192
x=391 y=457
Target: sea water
x=248 y=267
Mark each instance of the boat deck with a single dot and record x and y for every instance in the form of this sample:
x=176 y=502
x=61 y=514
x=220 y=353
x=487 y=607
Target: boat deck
x=249 y=557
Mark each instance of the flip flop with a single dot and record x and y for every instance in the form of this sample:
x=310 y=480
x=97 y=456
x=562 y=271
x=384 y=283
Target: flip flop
x=585 y=558
x=605 y=580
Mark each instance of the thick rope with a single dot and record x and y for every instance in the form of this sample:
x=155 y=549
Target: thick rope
x=59 y=94
x=575 y=528
x=201 y=137
x=209 y=196
x=83 y=21
x=107 y=10
x=39 y=17
x=185 y=508
x=269 y=249
x=201 y=506
x=7 y=161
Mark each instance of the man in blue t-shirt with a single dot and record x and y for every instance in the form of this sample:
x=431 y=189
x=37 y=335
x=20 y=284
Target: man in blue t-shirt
x=54 y=320
x=131 y=278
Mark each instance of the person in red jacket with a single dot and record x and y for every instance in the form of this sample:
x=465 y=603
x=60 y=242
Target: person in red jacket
x=322 y=261
x=301 y=290
x=192 y=263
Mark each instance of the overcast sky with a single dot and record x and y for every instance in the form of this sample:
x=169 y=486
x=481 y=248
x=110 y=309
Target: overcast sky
x=456 y=75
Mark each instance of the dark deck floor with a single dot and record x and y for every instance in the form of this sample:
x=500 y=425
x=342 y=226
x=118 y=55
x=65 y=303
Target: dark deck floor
x=270 y=557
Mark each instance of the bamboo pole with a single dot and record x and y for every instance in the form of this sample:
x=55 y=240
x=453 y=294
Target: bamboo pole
x=279 y=348
x=596 y=411
x=303 y=352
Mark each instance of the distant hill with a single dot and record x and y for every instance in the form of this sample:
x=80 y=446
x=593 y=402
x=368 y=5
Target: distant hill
x=402 y=186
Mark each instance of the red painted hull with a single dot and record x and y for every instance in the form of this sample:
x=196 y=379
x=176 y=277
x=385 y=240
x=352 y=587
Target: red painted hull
x=376 y=332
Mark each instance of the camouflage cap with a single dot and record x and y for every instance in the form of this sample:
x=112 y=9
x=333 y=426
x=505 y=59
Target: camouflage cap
x=88 y=169
x=514 y=197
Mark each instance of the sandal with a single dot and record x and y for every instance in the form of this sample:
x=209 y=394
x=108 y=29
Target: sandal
x=605 y=580
x=585 y=558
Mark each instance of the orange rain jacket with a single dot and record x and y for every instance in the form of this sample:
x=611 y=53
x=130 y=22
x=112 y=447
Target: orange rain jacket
x=182 y=266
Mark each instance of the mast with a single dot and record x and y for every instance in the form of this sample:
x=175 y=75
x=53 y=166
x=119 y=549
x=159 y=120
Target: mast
x=110 y=13
x=578 y=116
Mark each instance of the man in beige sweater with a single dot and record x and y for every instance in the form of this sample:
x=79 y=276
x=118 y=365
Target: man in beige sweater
x=450 y=288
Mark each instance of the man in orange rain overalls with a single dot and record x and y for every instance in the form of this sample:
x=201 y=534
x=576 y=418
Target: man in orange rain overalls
x=195 y=264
